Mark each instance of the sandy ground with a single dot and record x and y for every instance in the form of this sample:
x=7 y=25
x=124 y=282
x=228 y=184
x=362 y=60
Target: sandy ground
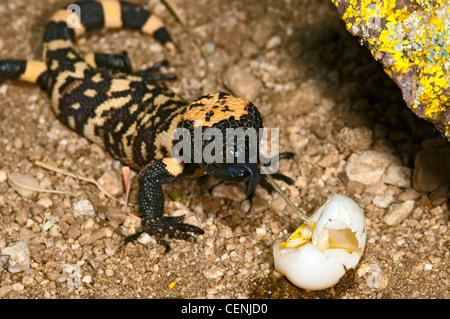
x=335 y=108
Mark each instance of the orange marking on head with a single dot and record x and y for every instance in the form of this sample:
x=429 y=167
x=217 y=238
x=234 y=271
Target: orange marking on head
x=215 y=108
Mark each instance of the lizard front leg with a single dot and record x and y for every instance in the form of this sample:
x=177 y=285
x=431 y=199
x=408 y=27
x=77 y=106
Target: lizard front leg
x=151 y=202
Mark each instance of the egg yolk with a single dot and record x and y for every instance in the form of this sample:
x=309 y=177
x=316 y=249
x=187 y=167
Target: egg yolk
x=300 y=237
x=328 y=238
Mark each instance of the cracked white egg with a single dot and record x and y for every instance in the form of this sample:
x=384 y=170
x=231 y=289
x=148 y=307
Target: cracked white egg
x=318 y=254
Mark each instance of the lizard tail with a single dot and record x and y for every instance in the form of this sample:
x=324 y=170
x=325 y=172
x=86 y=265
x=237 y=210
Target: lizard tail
x=30 y=71
x=70 y=23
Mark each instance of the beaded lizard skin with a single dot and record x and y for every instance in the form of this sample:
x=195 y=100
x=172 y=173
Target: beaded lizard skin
x=131 y=114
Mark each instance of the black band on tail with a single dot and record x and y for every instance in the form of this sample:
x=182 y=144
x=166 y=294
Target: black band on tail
x=12 y=69
x=91 y=15
x=58 y=31
x=133 y=17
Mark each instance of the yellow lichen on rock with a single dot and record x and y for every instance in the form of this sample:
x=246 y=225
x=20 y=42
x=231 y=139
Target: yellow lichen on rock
x=411 y=39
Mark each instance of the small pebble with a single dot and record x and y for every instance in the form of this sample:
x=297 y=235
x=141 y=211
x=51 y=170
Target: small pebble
x=27 y=280
x=110 y=251
x=145 y=239
x=87 y=279
x=45 y=202
x=367 y=168
x=18 y=143
x=398 y=176
x=24 y=180
x=246 y=205
x=383 y=201
x=399 y=212
x=21 y=217
x=262 y=31
x=53 y=270
x=302 y=100
x=242 y=83
x=353 y=140
x=214 y=273
x=3 y=176
x=273 y=42
x=55 y=231
x=83 y=208
x=17 y=287
x=225 y=232
x=109 y=272
x=112 y=183
x=19 y=257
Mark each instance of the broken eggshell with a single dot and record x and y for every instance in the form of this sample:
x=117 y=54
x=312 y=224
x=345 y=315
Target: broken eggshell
x=318 y=254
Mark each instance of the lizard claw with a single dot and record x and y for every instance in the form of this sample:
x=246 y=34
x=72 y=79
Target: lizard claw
x=173 y=227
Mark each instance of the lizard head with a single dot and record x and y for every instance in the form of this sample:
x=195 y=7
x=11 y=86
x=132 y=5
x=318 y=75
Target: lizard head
x=224 y=135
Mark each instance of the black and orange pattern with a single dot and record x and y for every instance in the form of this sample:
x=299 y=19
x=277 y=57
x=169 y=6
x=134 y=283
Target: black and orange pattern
x=131 y=114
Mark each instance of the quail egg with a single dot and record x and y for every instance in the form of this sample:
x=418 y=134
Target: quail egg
x=319 y=252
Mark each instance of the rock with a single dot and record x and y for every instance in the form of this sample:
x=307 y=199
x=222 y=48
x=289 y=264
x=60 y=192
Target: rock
x=214 y=273
x=383 y=201
x=53 y=270
x=242 y=83
x=87 y=279
x=4 y=290
x=21 y=216
x=19 y=257
x=112 y=183
x=17 y=287
x=3 y=176
x=367 y=168
x=402 y=35
x=439 y=193
x=278 y=203
x=83 y=208
x=225 y=232
x=18 y=143
x=409 y=194
x=354 y=140
x=297 y=138
x=45 y=202
x=308 y=96
x=145 y=239
x=262 y=31
x=273 y=42
x=26 y=180
x=399 y=212
x=398 y=176
x=331 y=159
x=431 y=169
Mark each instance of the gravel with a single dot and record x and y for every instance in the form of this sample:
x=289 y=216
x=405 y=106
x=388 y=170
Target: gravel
x=336 y=110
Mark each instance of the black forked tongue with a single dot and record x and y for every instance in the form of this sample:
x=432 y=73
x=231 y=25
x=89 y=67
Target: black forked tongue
x=255 y=174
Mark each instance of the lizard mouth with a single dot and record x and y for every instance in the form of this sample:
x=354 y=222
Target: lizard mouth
x=240 y=172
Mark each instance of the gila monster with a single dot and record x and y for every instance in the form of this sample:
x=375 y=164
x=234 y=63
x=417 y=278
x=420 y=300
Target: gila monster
x=133 y=115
